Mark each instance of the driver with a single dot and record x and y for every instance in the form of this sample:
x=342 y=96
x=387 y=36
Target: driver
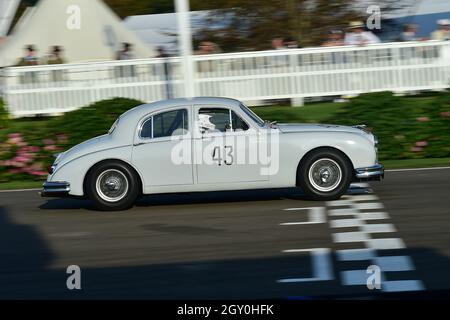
x=205 y=123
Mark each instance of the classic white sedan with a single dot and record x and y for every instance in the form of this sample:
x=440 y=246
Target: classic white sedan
x=211 y=144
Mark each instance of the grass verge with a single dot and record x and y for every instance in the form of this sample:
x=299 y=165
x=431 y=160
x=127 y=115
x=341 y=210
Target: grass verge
x=416 y=163
x=18 y=185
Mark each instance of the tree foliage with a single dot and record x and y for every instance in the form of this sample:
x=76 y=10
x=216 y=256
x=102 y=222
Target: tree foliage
x=250 y=25
x=125 y=8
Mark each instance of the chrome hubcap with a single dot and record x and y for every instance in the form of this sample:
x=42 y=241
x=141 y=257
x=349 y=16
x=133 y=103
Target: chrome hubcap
x=325 y=175
x=112 y=185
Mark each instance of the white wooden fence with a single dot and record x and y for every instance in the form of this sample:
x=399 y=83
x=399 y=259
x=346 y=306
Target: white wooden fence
x=281 y=74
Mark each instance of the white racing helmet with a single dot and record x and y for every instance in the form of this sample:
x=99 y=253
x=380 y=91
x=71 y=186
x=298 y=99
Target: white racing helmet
x=205 y=123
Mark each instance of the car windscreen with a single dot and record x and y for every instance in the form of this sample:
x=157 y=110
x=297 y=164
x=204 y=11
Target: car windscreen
x=252 y=115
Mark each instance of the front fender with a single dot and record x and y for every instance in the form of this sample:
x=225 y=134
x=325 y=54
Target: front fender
x=359 y=148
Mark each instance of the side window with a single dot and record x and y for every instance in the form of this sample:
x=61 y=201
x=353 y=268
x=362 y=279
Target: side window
x=214 y=119
x=146 y=131
x=220 y=119
x=165 y=124
x=238 y=123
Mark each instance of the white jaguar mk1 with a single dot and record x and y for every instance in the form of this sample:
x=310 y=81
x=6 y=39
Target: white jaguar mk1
x=211 y=144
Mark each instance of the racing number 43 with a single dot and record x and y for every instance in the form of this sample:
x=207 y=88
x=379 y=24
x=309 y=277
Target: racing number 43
x=223 y=157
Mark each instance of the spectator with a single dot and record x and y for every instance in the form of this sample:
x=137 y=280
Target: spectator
x=410 y=33
x=161 y=53
x=30 y=58
x=55 y=57
x=125 y=71
x=358 y=36
x=208 y=47
x=443 y=32
x=167 y=71
x=291 y=43
x=278 y=44
x=335 y=39
x=125 y=53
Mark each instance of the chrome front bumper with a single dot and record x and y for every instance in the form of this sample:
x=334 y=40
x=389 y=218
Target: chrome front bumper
x=55 y=189
x=375 y=172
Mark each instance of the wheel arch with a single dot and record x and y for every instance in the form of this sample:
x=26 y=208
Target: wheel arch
x=323 y=148
x=133 y=169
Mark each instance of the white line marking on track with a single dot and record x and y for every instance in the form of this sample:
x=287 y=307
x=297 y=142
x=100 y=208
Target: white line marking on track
x=386 y=244
x=394 y=263
x=346 y=223
x=315 y=215
x=355 y=254
x=364 y=208
x=402 y=285
x=363 y=197
x=373 y=215
x=354 y=277
x=368 y=205
x=343 y=212
x=356 y=236
x=378 y=228
x=339 y=203
x=321 y=262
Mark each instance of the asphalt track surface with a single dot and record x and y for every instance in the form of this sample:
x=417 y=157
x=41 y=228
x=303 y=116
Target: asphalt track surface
x=233 y=245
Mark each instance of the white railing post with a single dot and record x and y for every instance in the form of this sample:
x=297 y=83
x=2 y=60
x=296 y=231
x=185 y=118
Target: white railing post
x=185 y=37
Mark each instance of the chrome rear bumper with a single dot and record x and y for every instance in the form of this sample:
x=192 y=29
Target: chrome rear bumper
x=55 y=189
x=375 y=172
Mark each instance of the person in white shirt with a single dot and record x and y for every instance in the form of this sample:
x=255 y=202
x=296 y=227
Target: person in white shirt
x=443 y=33
x=359 y=36
x=409 y=33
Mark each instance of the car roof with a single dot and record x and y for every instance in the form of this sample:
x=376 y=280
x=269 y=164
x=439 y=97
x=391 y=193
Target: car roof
x=144 y=109
x=190 y=102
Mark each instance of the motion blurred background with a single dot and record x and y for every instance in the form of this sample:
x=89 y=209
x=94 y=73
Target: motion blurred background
x=68 y=68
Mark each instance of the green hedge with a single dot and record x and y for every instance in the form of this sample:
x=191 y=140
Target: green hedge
x=27 y=146
x=4 y=116
x=90 y=121
x=407 y=128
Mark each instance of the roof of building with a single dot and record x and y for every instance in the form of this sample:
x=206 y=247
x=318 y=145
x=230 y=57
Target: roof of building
x=87 y=30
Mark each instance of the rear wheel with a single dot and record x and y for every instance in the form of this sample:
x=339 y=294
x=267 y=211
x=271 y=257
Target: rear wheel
x=325 y=174
x=112 y=186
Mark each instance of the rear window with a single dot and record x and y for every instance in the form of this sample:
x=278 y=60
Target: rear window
x=165 y=124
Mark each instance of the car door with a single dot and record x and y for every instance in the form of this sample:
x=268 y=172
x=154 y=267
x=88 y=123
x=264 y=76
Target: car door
x=159 y=135
x=225 y=147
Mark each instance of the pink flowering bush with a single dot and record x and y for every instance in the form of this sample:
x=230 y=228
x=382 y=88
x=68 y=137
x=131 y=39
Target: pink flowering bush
x=19 y=159
x=28 y=146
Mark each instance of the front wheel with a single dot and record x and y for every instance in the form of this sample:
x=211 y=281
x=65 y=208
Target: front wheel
x=112 y=186
x=325 y=174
